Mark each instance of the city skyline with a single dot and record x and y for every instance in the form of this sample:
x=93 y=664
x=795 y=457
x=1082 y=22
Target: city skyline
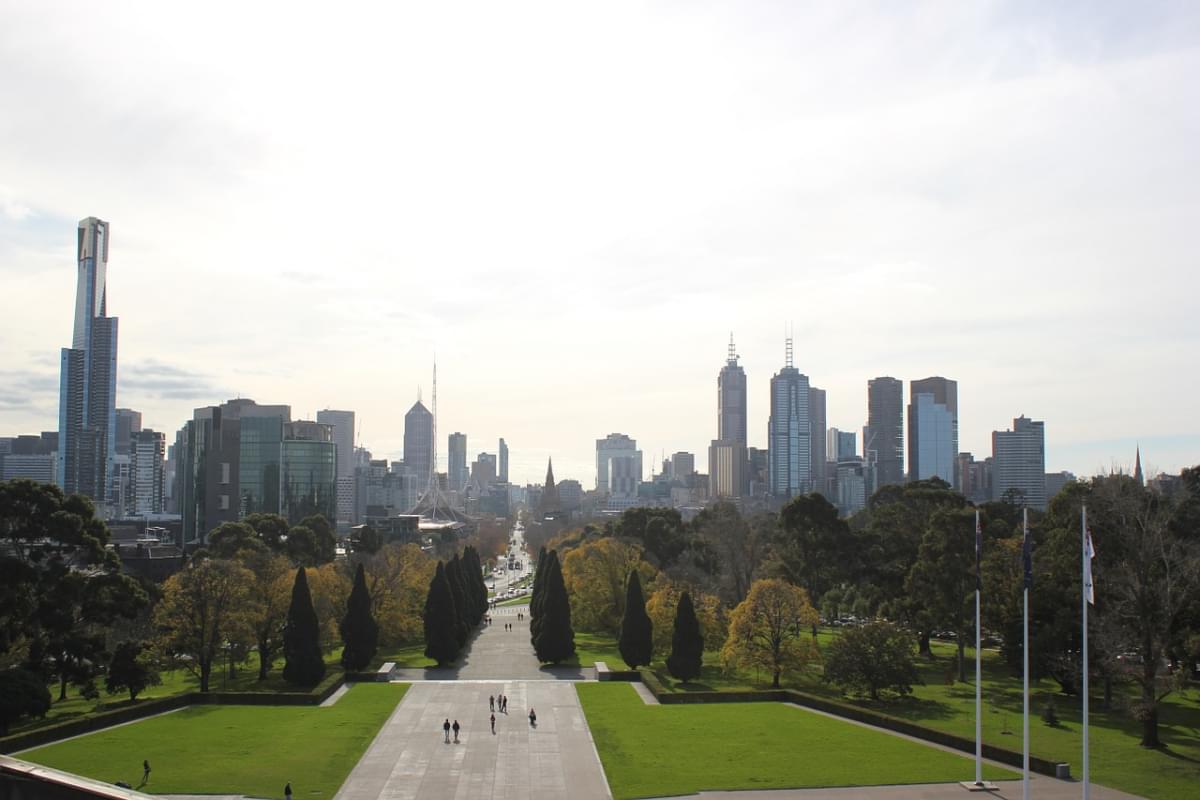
x=1002 y=196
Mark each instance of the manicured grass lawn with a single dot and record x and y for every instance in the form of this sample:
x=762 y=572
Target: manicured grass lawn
x=593 y=647
x=174 y=682
x=665 y=750
x=251 y=750
x=1116 y=759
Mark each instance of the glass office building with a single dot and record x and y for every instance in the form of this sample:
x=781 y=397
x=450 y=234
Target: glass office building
x=309 y=471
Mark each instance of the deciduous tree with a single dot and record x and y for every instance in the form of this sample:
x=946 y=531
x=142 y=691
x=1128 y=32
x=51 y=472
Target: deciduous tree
x=202 y=608
x=769 y=629
x=595 y=573
x=872 y=658
x=133 y=668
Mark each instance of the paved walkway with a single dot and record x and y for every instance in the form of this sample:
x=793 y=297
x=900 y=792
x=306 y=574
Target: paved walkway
x=409 y=760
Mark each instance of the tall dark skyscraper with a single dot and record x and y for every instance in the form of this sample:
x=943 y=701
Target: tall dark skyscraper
x=933 y=430
x=816 y=438
x=456 y=452
x=883 y=436
x=87 y=405
x=418 y=443
x=502 y=469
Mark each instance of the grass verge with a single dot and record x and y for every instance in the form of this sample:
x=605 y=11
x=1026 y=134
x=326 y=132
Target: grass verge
x=650 y=751
x=250 y=750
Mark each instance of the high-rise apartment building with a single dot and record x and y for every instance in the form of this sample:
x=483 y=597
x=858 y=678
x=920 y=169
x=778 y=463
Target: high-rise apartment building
x=1019 y=462
x=933 y=430
x=147 y=471
x=789 y=442
x=30 y=456
x=483 y=470
x=682 y=465
x=88 y=378
x=502 y=468
x=456 y=451
x=840 y=445
x=883 y=435
x=615 y=445
x=730 y=444
x=342 y=424
x=418 y=444
x=129 y=422
x=816 y=438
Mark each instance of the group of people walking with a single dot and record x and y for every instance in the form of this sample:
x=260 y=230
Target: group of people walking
x=496 y=703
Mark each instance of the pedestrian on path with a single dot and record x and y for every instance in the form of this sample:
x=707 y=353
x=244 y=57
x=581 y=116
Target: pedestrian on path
x=287 y=791
x=145 y=772
x=505 y=704
x=456 y=731
x=491 y=703
x=532 y=718
x=446 y=729
x=493 y=724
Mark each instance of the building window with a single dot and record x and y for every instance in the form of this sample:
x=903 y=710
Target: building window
x=223 y=502
x=224 y=472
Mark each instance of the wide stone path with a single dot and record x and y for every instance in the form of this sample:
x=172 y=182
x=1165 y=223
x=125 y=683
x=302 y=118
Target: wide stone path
x=409 y=759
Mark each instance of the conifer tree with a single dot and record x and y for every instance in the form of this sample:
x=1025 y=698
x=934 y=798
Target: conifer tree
x=637 y=640
x=478 y=589
x=304 y=664
x=441 y=641
x=687 y=642
x=535 y=596
x=556 y=639
x=462 y=611
x=360 y=631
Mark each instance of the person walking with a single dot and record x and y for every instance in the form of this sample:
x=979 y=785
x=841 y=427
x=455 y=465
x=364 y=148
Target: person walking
x=446 y=729
x=145 y=772
x=287 y=791
x=491 y=702
x=456 y=731
x=493 y=724
x=532 y=718
x=505 y=704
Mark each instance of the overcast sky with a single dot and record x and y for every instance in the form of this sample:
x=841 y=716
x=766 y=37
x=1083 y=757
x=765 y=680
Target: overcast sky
x=573 y=207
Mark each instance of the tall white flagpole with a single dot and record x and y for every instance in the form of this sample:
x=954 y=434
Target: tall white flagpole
x=1025 y=654
x=978 y=662
x=1087 y=595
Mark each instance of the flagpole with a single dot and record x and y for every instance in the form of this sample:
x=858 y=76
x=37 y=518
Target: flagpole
x=978 y=668
x=1025 y=670
x=1087 y=574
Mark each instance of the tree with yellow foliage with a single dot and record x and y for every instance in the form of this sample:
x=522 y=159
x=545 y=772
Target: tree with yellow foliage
x=595 y=573
x=710 y=613
x=770 y=630
x=202 y=608
x=398 y=579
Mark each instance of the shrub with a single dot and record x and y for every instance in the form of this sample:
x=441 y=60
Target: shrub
x=873 y=658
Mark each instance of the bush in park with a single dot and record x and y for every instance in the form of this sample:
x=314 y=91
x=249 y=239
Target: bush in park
x=360 y=632
x=304 y=663
x=636 y=642
x=871 y=659
x=22 y=694
x=687 y=642
x=441 y=620
x=132 y=668
x=556 y=639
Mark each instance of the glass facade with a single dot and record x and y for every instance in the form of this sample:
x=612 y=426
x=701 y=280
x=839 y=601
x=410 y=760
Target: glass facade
x=259 y=458
x=309 y=479
x=934 y=426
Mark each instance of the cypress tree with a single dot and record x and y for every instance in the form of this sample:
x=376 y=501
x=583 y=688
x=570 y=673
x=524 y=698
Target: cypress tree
x=477 y=587
x=441 y=641
x=556 y=640
x=687 y=642
x=637 y=640
x=462 y=611
x=302 y=637
x=535 y=596
x=360 y=631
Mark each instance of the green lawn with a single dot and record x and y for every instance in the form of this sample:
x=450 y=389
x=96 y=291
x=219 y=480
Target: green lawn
x=652 y=751
x=251 y=750
x=1116 y=758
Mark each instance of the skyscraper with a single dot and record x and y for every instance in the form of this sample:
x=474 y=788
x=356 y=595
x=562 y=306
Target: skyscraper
x=1019 y=462
x=88 y=378
x=883 y=435
x=418 y=443
x=615 y=445
x=788 y=435
x=342 y=423
x=727 y=453
x=816 y=438
x=502 y=473
x=147 y=471
x=682 y=465
x=933 y=430
x=456 y=449
x=309 y=457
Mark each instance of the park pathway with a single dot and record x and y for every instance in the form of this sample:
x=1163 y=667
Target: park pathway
x=410 y=761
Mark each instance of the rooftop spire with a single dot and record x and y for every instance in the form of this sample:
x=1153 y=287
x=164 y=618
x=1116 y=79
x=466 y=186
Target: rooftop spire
x=787 y=347
x=1137 y=466
x=732 y=358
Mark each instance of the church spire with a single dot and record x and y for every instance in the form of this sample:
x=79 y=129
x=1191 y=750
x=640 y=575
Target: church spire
x=549 y=473
x=1137 y=467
